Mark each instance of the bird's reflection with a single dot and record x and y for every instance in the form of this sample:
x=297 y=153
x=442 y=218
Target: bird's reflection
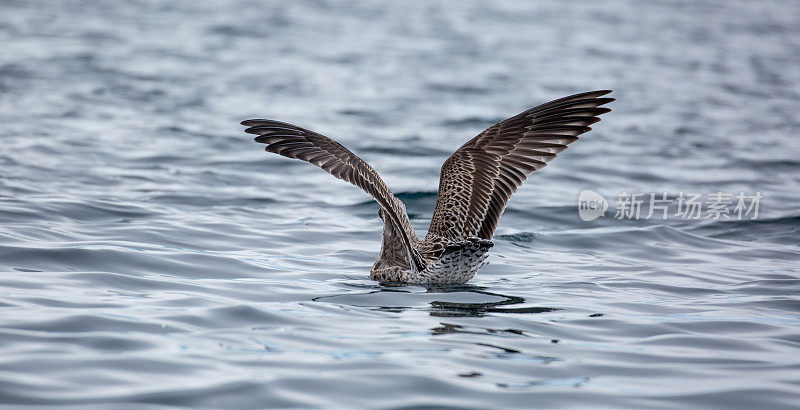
x=398 y=299
x=477 y=309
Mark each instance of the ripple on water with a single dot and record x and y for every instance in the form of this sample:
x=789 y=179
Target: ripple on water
x=152 y=255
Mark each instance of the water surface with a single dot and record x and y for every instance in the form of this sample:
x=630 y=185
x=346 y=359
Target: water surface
x=152 y=255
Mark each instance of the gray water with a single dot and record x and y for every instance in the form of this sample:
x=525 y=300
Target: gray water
x=152 y=255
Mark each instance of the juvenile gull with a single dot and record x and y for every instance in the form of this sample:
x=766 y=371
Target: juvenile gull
x=474 y=187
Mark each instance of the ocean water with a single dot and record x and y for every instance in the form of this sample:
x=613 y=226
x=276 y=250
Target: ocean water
x=152 y=255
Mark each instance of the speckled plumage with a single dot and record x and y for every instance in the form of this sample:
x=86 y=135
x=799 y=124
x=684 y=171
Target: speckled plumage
x=475 y=185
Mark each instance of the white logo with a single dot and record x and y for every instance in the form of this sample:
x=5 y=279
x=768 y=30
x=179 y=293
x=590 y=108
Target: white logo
x=591 y=205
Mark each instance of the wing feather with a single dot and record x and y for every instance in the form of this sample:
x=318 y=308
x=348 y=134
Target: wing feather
x=294 y=142
x=479 y=178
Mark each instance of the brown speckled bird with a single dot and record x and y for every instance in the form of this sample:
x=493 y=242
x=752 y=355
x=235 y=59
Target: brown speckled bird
x=475 y=185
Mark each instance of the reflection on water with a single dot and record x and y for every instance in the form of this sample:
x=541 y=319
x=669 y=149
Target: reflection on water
x=446 y=308
x=481 y=301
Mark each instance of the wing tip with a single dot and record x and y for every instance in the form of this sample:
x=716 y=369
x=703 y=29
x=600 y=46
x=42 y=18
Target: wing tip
x=255 y=122
x=606 y=100
x=587 y=95
x=603 y=101
x=252 y=122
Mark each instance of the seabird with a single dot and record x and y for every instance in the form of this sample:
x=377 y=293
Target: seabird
x=475 y=185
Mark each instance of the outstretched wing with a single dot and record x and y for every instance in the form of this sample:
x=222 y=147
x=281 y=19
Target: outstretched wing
x=479 y=178
x=295 y=142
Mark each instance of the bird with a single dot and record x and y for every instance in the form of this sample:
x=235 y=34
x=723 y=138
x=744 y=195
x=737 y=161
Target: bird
x=475 y=185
